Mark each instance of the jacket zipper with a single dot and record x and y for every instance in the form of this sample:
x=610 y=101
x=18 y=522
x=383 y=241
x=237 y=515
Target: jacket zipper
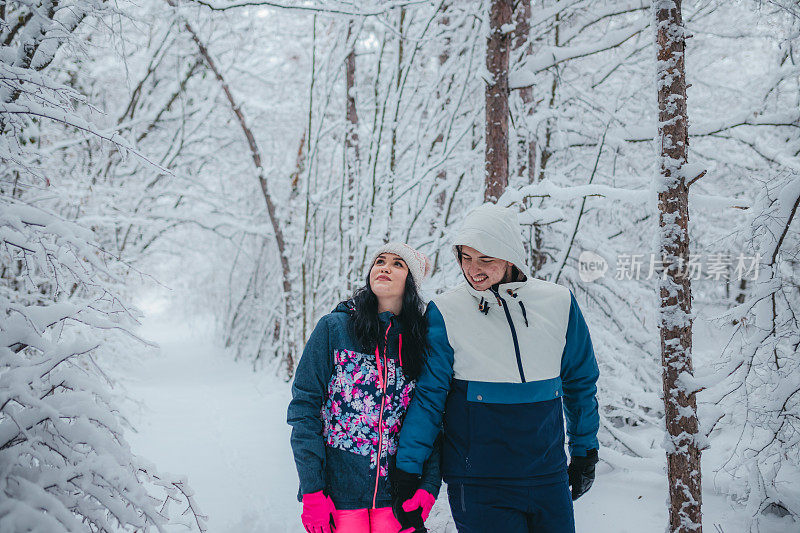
x=513 y=333
x=383 y=376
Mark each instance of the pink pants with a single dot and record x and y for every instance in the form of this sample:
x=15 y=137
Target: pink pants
x=366 y=521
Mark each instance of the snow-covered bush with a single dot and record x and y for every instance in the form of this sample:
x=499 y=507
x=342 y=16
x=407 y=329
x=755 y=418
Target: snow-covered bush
x=755 y=410
x=64 y=462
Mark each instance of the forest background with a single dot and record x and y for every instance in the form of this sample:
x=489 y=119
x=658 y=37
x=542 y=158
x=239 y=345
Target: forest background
x=248 y=155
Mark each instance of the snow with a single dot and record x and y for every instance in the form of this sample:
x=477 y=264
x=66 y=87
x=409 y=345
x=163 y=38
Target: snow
x=508 y=28
x=787 y=198
x=84 y=220
x=549 y=56
x=214 y=420
x=548 y=187
x=201 y=414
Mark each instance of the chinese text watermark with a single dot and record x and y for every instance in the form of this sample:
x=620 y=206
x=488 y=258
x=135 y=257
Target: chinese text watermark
x=712 y=266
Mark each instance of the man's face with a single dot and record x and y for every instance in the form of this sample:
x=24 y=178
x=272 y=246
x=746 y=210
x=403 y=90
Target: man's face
x=481 y=270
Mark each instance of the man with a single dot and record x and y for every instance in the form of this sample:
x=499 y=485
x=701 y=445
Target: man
x=510 y=355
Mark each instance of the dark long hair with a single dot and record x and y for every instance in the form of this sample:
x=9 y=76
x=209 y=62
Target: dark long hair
x=367 y=329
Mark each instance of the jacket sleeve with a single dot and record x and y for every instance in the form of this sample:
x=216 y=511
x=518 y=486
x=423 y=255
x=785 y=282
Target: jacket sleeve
x=579 y=373
x=309 y=392
x=423 y=420
x=431 y=470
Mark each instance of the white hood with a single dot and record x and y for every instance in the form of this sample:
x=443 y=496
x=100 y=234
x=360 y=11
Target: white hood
x=494 y=231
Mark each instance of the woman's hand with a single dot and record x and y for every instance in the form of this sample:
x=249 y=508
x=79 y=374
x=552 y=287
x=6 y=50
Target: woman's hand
x=317 y=513
x=422 y=498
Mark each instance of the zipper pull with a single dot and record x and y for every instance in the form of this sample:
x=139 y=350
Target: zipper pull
x=497 y=296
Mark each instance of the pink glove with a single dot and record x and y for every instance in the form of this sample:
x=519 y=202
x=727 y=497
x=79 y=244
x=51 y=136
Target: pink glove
x=317 y=509
x=422 y=498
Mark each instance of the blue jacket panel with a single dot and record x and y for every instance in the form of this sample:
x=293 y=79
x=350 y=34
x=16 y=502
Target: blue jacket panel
x=336 y=412
x=507 y=443
x=512 y=432
x=424 y=416
x=579 y=374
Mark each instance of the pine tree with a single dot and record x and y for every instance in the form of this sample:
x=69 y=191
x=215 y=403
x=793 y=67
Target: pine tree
x=497 y=52
x=680 y=405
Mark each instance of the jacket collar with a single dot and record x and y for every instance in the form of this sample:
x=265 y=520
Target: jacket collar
x=502 y=290
x=386 y=317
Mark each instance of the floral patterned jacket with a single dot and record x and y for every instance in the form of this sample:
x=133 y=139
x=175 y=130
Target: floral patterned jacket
x=346 y=412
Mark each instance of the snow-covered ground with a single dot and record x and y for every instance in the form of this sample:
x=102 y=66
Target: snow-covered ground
x=205 y=416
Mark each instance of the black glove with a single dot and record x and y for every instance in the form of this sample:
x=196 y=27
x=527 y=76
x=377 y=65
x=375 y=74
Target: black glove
x=402 y=487
x=581 y=473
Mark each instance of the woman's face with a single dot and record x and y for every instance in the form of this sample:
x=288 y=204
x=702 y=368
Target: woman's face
x=387 y=278
x=481 y=270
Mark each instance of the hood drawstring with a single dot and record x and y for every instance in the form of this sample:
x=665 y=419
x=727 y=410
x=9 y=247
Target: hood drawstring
x=381 y=368
x=483 y=306
x=521 y=306
x=400 y=349
x=524 y=314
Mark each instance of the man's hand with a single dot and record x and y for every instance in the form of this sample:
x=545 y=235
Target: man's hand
x=581 y=473
x=403 y=486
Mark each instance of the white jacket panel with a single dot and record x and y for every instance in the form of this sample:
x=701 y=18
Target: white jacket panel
x=483 y=344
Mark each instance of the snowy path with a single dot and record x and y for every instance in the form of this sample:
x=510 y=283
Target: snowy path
x=223 y=426
x=215 y=421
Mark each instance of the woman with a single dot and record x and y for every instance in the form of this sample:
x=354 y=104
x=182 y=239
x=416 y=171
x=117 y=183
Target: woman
x=351 y=389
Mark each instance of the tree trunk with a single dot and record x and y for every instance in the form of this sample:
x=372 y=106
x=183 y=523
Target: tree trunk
x=443 y=100
x=497 y=51
x=351 y=136
x=351 y=156
x=547 y=152
x=680 y=405
x=393 y=145
x=443 y=97
x=525 y=141
x=277 y=228
x=304 y=270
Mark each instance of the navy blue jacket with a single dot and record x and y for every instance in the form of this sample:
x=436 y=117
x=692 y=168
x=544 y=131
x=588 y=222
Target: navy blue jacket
x=337 y=409
x=503 y=403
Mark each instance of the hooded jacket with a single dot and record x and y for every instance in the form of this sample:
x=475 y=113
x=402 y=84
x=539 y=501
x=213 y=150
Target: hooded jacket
x=344 y=421
x=506 y=365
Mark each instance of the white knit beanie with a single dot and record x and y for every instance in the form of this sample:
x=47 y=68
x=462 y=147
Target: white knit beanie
x=418 y=264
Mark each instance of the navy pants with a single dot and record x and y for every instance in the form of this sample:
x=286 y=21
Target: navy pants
x=512 y=509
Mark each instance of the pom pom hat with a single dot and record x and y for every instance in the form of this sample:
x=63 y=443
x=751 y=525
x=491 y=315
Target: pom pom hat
x=418 y=264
